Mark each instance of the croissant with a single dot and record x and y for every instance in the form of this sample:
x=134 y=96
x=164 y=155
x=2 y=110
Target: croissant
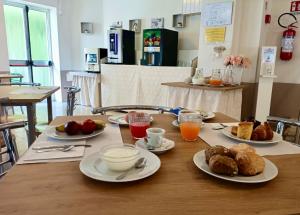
x=259 y=133
x=269 y=131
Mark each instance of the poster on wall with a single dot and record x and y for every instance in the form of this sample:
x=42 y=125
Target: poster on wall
x=215 y=35
x=217 y=14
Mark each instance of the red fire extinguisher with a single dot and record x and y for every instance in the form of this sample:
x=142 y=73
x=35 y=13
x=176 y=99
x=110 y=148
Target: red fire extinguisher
x=287 y=43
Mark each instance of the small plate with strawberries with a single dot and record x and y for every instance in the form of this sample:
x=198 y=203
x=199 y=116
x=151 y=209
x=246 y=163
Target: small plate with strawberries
x=73 y=130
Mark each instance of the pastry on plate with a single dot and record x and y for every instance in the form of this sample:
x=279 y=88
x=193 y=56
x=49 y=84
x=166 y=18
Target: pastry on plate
x=249 y=164
x=242 y=147
x=216 y=150
x=269 y=131
x=244 y=130
x=259 y=133
x=234 y=130
x=224 y=165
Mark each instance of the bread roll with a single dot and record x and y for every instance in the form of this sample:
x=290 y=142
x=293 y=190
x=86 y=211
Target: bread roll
x=242 y=147
x=249 y=164
x=224 y=165
x=216 y=150
x=244 y=130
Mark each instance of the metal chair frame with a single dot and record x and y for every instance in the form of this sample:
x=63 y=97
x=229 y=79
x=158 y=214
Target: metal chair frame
x=71 y=99
x=122 y=108
x=10 y=145
x=283 y=122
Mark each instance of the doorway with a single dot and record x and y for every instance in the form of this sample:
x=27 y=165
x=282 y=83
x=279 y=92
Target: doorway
x=29 y=42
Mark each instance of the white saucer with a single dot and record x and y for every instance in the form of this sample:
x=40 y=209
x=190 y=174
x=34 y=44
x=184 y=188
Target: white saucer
x=166 y=146
x=93 y=167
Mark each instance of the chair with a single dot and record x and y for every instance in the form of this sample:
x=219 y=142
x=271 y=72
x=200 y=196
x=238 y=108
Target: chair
x=71 y=99
x=8 y=149
x=282 y=123
x=122 y=108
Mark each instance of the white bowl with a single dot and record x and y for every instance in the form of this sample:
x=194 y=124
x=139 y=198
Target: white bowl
x=119 y=157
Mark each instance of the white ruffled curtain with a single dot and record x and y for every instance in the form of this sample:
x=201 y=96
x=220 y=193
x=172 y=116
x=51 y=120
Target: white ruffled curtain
x=90 y=92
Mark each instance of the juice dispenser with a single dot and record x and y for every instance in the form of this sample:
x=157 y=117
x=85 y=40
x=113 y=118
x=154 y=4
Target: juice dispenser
x=160 y=47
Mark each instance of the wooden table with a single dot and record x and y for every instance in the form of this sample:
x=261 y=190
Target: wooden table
x=28 y=100
x=9 y=76
x=204 y=87
x=177 y=188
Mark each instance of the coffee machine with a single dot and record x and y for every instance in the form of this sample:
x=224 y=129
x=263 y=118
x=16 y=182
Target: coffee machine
x=160 y=47
x=121 y=48
x=94 y=57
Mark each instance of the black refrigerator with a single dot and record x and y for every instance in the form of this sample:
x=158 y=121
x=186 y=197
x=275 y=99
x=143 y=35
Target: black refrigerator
x=160 y=47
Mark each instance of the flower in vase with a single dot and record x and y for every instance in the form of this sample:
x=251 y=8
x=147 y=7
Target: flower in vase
x=227 y=61
x=246 y=63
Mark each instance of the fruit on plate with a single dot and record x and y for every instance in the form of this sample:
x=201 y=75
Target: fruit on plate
x=100 y=124
x=88 y=126
x=72 y=128
x=60 y=128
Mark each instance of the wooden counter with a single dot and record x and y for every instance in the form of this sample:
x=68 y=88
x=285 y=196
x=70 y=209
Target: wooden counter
x=191 y=86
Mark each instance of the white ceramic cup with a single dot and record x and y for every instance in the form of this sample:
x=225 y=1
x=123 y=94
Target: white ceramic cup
x=155 y=136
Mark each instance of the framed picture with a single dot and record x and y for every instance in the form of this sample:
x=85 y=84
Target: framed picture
x=157 y=23
x=135 y=25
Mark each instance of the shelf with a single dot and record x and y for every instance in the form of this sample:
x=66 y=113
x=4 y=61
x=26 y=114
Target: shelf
x=179 y=20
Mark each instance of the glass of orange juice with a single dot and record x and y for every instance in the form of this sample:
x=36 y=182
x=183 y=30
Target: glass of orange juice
x=190 y=125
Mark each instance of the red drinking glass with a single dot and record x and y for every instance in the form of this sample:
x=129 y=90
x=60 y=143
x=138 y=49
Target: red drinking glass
x=138 y=124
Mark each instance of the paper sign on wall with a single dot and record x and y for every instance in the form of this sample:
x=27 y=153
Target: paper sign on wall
x=214 y=35
x=217 y=14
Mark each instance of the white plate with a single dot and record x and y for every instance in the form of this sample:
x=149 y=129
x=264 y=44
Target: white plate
x=276 y=139
x=52 y=133
x=166 y=146
x=210 y=115
x=120 y=120
x=92 y=166
x=269 y=173
x=175 y=123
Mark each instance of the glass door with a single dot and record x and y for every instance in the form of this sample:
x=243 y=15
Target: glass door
x=29 y=43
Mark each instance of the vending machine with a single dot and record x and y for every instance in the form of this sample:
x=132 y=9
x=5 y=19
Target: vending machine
x=121 y=48
x=160 y=47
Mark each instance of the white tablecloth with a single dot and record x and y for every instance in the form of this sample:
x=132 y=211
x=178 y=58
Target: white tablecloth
x=90 y=90
x=228 y=102
x=138 y=85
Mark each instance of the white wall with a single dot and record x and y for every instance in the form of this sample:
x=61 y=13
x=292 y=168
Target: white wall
x=85 y=11
x=287 y=71
x=124 y=10
x=242 y=37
